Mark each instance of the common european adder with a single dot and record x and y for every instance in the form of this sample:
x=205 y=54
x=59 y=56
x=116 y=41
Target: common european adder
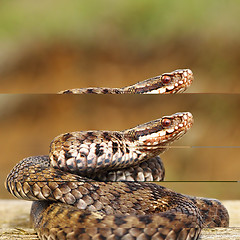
x=91 y=186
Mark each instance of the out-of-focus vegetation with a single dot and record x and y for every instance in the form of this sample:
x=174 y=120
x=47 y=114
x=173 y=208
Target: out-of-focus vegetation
x=115 y=43
x=142 y=22
x=50 y=46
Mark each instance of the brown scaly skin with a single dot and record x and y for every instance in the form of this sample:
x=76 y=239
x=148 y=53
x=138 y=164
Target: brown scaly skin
x=113 y=210
x=116 y=206
x=167 y=83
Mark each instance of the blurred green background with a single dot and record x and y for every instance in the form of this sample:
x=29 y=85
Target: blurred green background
x=50 y=46
x=54 y=45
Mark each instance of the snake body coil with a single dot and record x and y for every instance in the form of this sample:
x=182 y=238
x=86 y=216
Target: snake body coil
x=70 y=206
x=167 y=83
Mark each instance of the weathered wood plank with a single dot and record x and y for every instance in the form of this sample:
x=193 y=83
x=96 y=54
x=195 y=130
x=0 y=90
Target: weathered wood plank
x=15 y=223
x=14 y=220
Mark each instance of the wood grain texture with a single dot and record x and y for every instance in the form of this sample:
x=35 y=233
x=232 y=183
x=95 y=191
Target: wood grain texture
x=15 y=223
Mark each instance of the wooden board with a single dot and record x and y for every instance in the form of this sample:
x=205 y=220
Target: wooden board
x=15 y=223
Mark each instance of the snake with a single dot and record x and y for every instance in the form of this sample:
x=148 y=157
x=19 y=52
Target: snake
x=100 y=185
x=168 y=83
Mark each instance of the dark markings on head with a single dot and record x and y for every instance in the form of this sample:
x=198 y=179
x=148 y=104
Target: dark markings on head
x=147 y=131
x=149 y=88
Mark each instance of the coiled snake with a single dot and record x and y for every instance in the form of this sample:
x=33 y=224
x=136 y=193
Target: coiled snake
x=69 y=206
x=167 y=83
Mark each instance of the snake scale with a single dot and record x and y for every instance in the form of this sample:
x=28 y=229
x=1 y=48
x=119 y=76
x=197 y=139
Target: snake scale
x=167 y=83
x=92 y=185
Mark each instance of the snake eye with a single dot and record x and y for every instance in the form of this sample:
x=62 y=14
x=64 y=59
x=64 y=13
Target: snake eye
x=166 y=122
x=166 y=79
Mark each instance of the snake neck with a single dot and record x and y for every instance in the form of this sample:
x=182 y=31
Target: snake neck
x=153 y=138
x=94 y=90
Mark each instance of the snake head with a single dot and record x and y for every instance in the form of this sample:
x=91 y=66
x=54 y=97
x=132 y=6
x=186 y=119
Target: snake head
x=181 y=79
x=167 y=83
x=156 y=135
